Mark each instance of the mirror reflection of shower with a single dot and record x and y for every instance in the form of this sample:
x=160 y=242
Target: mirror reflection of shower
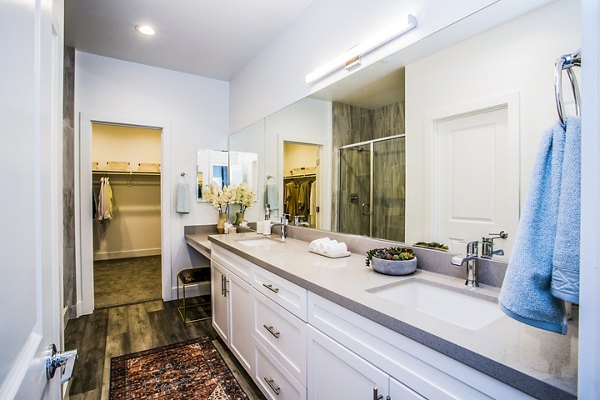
x=372 y=188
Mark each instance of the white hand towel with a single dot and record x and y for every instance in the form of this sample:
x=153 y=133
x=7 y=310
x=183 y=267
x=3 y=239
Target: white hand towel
x=314 y=245
x=336 y=248
x=183 y=198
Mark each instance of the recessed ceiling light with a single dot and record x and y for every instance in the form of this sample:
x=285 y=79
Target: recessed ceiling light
x=145 y=29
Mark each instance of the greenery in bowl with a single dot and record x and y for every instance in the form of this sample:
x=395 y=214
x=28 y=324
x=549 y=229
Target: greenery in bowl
x=432 y=245
x=390 y=253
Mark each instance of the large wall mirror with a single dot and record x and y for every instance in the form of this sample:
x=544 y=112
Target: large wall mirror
x=433 y=144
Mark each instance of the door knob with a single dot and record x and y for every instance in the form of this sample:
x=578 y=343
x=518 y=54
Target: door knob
x=58 y=359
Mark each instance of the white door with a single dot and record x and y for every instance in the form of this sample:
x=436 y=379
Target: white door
x=476 y=190
x=218 y=296
x=241 y=321
x=31 y=233
x=335 y=372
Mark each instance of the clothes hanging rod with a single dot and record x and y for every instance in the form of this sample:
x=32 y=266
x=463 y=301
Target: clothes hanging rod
x=300 y=176
x=112 y=172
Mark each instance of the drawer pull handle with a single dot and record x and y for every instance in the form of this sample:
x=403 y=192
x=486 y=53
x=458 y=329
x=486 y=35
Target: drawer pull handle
x=271 y=288
x=270 y=382
x=271 y=331
x=376 y=395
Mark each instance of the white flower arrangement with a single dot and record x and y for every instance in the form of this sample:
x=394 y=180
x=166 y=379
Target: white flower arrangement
x=244 y=197
x=221 y=198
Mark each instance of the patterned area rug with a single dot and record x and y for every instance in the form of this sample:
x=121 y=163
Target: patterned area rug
x=188 y=370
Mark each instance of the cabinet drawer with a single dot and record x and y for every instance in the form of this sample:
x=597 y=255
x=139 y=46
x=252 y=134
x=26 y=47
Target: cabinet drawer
x=282 y=333
x=234 y=263
x=288 y=295
x=273 y=379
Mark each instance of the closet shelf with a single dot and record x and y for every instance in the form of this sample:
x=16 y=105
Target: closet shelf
x=114 y=172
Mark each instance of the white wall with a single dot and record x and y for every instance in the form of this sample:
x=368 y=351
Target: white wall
x=196 y=110
x=125 y=143
x=274 y=78
x=297 y=155
x=518 y=56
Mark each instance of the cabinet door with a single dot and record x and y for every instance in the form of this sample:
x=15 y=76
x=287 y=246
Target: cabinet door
x=241 y=320
x=335 y=372
x=399 y=391
x=218 y=296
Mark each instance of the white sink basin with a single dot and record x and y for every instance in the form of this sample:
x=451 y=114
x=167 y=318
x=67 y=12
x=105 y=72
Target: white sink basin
x=259 y=242
x=455 y=305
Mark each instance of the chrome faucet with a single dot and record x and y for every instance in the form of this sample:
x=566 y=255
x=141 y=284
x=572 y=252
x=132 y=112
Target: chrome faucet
x=283 y=224
x=487 y=245
x=470 y=258
x=297 y=221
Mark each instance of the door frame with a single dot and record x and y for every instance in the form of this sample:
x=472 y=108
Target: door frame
x=589 y=315
x=324 y=179
x=83 y=213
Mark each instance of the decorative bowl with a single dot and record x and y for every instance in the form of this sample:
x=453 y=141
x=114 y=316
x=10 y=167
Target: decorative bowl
x=394 y=267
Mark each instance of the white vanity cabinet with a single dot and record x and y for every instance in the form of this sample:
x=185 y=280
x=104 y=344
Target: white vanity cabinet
x=232 y=309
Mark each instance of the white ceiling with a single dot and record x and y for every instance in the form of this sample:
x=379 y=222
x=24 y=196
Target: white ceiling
x=214 y=38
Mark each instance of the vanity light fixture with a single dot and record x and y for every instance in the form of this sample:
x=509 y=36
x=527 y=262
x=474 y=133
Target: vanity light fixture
x=145 y=30
x=352 y=58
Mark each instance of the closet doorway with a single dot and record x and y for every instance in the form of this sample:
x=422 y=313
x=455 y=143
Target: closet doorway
x=301 y=183
x=126 y=228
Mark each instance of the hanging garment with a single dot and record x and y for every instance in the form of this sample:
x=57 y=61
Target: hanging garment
x=104 y=209
x=312 y=219
x=104 y=205
x=303 y=199
x=548 y=235
x=290 y=196
x=183 y=197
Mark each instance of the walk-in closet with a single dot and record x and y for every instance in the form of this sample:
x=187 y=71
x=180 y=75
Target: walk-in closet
x=300 y=183
x=127 y=214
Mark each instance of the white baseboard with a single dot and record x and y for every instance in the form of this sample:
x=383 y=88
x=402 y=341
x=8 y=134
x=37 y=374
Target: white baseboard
x=111 y=255
x=200 y=289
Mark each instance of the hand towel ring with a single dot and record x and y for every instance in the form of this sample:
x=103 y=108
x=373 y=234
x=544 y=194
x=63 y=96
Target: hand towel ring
x=567 y=61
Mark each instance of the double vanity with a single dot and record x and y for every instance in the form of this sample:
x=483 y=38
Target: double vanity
x=306 y=326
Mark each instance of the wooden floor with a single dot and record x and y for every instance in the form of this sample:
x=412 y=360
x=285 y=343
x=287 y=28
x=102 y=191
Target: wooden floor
x=116 y=331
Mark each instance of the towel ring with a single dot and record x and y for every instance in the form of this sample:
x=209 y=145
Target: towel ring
x=567 y=62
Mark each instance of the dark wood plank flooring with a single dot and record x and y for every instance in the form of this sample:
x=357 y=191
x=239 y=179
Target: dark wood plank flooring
x=116 y=331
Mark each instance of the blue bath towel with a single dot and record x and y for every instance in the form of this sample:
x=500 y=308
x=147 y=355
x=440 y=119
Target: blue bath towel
x=526 y=294
x=565 y=272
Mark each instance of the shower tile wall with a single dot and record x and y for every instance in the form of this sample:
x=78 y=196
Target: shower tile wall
x=70 y=298
x=389 y=164
x=353 y=125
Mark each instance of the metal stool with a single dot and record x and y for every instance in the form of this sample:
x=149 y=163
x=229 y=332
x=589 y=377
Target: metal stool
x=187 y=277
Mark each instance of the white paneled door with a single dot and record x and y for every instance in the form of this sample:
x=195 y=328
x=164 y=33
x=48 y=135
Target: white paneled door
x=31 y=201
x=476 y=178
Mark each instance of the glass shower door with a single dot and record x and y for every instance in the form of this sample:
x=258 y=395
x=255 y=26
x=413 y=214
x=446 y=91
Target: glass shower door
x=355 y=190
x=389 y=185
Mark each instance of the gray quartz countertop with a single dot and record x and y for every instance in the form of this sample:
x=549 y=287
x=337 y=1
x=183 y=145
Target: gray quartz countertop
x=537 y=362
x=199 y=241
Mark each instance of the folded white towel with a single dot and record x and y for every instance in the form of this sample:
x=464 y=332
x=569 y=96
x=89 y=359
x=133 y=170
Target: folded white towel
x=317 y=243
x=335 y=248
